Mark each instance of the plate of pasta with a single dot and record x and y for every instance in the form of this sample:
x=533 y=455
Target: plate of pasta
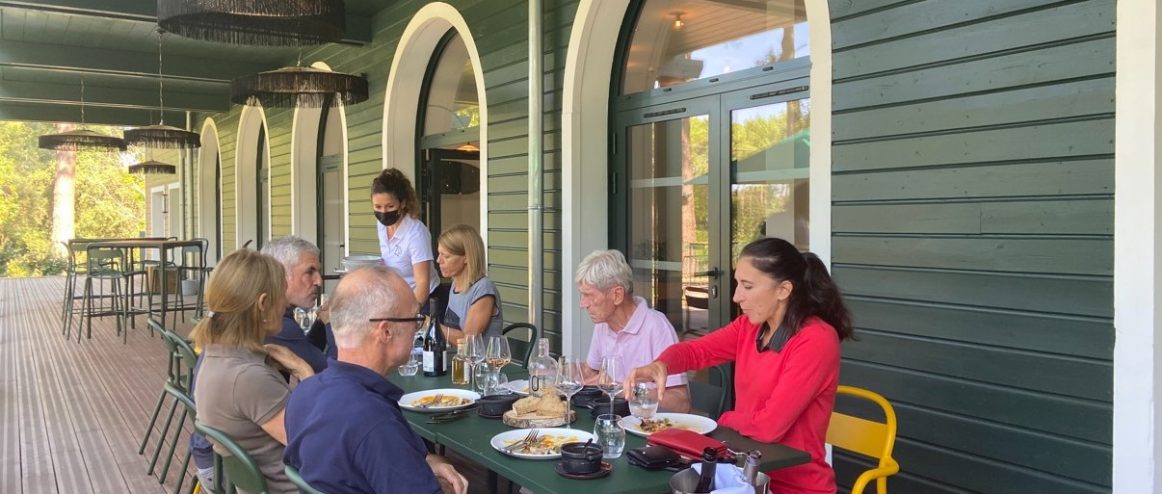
x=662 y=421
x=547 y=445
x=438 y=400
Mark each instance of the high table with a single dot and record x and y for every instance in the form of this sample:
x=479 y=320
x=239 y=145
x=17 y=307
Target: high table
x=470 y=437
x=164 y=247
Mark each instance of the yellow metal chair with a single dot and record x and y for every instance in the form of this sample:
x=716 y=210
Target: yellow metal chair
x=868 y=438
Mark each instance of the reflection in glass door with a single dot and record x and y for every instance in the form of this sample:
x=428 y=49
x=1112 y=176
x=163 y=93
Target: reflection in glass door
x=669 y=193
x=705 y=177
x=770 y=149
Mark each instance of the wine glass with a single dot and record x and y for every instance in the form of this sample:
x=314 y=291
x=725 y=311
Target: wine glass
x=570 y=380
x=475 y=350
x=608 y=379
x=498 y=354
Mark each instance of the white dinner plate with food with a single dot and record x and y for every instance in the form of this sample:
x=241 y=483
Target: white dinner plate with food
x=546 y=447
x=438 y=400
x=519 y=386
x=663 y=421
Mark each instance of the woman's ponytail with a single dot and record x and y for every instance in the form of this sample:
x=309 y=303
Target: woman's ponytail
x=824 y=298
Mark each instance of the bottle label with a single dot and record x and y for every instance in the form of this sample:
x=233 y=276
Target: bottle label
x=429 y=361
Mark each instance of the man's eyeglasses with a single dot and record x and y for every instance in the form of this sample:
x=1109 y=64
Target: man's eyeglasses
x=420 y=320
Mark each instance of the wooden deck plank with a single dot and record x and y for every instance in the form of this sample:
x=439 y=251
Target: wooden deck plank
x=73 y=412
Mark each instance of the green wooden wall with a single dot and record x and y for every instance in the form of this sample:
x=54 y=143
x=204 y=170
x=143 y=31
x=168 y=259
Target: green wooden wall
x=499 y=29
x=973 y=235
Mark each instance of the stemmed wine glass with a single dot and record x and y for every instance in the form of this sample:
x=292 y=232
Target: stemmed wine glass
x=607 y=379
x=498 y=354
x=474 y=352
x=570 y=380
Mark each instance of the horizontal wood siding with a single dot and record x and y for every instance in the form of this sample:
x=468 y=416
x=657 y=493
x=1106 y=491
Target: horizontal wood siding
x=972 y=221
x=499 y=28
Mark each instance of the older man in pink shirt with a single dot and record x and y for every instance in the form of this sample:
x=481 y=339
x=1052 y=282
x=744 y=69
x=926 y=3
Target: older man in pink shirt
x=625 y=325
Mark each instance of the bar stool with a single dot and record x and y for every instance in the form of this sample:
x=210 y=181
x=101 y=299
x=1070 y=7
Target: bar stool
x=76 y=267
x=105 y=265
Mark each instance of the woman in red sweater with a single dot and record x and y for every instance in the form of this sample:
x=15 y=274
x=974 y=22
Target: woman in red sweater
x=785 y=348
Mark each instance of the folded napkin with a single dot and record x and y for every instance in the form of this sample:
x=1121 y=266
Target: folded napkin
x=728 y=479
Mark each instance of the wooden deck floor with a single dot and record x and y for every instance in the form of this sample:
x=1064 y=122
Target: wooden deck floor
x=72 y=414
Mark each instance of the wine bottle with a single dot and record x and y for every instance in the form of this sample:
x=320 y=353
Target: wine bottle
x=709 y=465
x=438 y=348
x=430 y=355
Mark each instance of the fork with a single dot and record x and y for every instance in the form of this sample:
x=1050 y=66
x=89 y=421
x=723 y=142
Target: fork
x=530 y=439
x=435 y=401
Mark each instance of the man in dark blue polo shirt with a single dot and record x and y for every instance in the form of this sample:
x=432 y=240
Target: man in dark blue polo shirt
x=345 y=431
x=300 y=259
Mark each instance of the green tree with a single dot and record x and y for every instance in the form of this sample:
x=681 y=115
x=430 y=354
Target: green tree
x=109 y=202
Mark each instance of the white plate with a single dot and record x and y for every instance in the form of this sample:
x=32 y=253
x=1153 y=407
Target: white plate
x=409 y=401
x=558 y=436
x=696 y=423
x=519 y=386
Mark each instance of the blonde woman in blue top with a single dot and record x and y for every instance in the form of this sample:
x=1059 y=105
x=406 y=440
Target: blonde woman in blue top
x=473 y=301
x=404 y=241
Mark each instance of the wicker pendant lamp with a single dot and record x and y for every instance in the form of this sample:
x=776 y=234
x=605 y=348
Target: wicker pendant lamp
x=162 y=135
x=82 y=138
x=152 y=167
x=289 y=87
x=255 y=22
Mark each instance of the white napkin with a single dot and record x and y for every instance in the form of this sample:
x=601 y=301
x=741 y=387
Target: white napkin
x=728 y=479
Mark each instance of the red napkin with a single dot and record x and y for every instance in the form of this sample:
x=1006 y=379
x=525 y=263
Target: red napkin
x=689 y=443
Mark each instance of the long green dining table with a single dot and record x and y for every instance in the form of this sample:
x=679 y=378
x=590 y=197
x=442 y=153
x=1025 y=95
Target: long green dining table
x=470 y=437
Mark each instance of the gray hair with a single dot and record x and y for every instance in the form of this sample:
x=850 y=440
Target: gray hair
x=352 y=306
x=605 y=269
x=289 y=250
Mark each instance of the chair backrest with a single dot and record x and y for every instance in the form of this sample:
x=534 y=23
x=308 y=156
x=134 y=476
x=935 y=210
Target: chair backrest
x=710 y=396
x=182 y=356
x=520 y=346
x=297 y=480
x=105 y=260
x=867 y=437
x=239 y=468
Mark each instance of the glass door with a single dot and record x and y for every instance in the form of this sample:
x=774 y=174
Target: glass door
x=704 y=177
x=670 y=188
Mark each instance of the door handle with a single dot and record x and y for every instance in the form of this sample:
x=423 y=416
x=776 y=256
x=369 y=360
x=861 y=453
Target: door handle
x=713 y=273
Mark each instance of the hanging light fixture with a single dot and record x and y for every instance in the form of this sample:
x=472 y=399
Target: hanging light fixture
x=162 y=135
x=289 y=87
x=81 y=138
x=152 y=167
x=255 y=22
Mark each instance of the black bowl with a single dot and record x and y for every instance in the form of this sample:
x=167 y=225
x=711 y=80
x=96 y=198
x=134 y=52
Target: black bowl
x=580 y=458
x=496 y=405
x=600 y=405
x=586 y=396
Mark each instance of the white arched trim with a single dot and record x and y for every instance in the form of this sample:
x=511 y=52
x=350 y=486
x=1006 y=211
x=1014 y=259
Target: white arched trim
x=585 y=135
x=209 y=180
x=245 y=179
x=402 y=98
x=304 y=150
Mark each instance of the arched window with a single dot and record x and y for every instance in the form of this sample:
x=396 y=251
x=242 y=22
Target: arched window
x=449 y=147
x=712 y=145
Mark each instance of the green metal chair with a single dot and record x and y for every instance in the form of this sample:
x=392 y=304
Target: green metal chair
x=710 y=397
x=239 y=469
x=520 y=346
x=180 y=371
x=105 y=264
x=297 y=480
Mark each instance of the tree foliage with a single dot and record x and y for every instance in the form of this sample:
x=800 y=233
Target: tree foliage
x=109 y=201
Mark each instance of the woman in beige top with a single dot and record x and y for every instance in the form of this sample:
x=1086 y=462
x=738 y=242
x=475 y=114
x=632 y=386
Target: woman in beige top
x=239 y=388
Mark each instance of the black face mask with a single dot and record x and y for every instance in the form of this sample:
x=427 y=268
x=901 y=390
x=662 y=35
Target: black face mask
x=387 y=218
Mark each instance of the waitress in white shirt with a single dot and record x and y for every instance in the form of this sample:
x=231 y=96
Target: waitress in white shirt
x=404 y=242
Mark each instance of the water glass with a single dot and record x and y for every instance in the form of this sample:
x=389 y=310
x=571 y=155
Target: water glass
x=481 y=374
x=609 y=434
x=643 y=402
x=412 y=366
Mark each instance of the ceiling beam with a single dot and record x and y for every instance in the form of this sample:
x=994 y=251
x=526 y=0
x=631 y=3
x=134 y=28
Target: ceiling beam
x=96 y=116
x=121 y=63
x=358 y=25
x=113 y=97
